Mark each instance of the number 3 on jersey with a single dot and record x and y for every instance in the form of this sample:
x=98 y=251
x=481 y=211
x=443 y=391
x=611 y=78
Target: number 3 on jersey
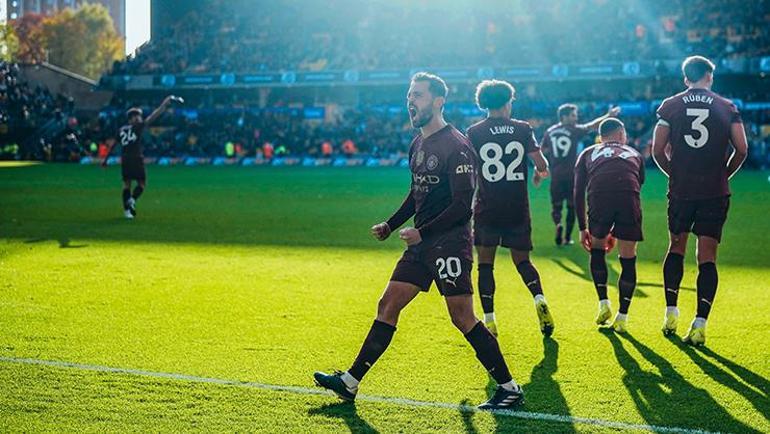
x=697 y=125
x=491 y=154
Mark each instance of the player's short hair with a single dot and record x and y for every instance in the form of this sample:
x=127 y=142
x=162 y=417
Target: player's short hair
x=494 y=94
x=694 y=68
x=566 y=110
x=133 y=111
x=436 y=85
x=609 y=126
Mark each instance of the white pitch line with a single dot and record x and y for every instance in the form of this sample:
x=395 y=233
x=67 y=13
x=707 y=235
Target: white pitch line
x=368 y=398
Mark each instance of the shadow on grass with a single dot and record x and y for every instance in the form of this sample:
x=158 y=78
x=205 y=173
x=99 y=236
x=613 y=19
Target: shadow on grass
x=666 y=398
x=580 y=268
x=584 y=273
x=756 y=389
x=542 y=394
x=348 y=413
x=64 y=242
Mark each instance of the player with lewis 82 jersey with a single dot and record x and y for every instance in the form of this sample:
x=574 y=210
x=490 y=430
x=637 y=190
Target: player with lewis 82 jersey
x=501 y=210
x=694 y=131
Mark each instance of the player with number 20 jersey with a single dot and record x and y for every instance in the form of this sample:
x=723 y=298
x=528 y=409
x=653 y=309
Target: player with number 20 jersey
x=501 y=210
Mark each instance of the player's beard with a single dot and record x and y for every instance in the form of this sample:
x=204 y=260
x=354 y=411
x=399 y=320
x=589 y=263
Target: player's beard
x=421 y=118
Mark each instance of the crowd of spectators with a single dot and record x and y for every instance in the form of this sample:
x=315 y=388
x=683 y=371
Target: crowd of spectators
x=34 y=114
x=241 y=35
x=372 y=130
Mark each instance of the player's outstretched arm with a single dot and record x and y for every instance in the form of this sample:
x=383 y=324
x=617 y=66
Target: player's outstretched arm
x=611 y=113
x=659 y=146
x=159 y=111
x=382 y=231
x=109 y=151
x=541 y=167
x=740 y=148
x=579 y=199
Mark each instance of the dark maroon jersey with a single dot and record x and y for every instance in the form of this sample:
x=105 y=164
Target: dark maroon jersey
x=609 y=167
x=700 y=122
x=130 y=140
x=443 y=180
x=606 y=167
x=502 y=146
x=560 y=143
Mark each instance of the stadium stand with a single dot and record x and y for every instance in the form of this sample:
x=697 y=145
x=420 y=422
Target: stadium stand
x=345 y=34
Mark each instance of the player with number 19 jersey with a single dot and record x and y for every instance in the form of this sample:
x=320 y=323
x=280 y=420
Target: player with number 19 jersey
x=561 y=143
x=502 y=202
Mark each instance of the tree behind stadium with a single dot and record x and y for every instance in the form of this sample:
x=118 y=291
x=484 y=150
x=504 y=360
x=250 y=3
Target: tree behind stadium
x=83 y=41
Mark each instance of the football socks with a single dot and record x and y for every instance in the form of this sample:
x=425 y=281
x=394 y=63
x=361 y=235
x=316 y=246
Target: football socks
x=488 y=352
x=599 y=272
x=487 y=287
x=626 y=283
x=673 y=270
x=530 y=277
x=707 y=287
x=376 y=342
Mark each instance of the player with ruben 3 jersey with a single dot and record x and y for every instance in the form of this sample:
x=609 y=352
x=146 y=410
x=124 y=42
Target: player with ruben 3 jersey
x=560 y=144
x=439 y=247
x=501 y=212
x=613 y=173
x=695 y=128
x=132 y=153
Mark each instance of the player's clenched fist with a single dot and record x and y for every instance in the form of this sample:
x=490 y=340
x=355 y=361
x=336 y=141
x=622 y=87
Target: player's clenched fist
x=381 y=231
x=411 y=236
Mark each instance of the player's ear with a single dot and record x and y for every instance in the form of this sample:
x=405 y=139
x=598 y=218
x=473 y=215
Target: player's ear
x=438 y=102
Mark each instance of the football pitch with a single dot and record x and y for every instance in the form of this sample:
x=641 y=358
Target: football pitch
x=212 y=309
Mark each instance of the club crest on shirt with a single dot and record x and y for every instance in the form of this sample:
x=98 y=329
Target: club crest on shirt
x=419 y=158
x=432 y=162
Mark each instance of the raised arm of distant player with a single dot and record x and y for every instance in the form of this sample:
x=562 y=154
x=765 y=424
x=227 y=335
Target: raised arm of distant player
x=110 y=144
x=740 y=148
x=611 y=113
x=660 y=146
x=381 y=231
x=581 y=182
x=541 y=166
x=158 y=111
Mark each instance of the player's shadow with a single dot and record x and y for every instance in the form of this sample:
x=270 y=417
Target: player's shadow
x=581 y=269
x=665 y=397
x=542 y=394
x=64 y=242
x=755 y=388
x=348 y=413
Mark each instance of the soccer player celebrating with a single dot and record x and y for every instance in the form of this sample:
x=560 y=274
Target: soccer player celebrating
x=690 y=146
x=132 y=157
x=501 y=211
x=439 y=247
x=560 y=144
x=613 y=173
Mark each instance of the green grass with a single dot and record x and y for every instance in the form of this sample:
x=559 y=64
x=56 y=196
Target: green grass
x=265 y=275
